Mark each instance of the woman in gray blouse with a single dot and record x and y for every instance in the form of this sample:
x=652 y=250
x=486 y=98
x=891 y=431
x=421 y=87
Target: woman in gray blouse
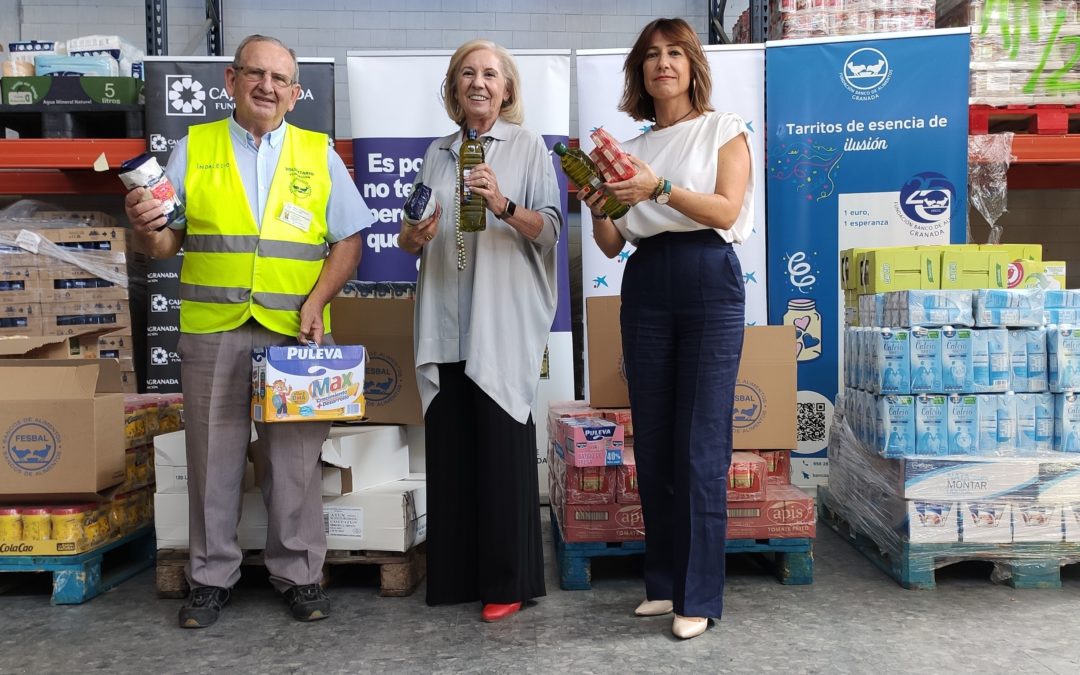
x=484 y=307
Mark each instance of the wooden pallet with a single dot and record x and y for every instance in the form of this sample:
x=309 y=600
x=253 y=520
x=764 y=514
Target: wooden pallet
x=399 y=573
x=1042 y=119
x=914 y=566
x=78 y=578
x=790 y=560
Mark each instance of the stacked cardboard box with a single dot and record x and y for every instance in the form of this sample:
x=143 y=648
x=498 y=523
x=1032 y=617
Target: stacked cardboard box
x=370 y=499
x=79 y=473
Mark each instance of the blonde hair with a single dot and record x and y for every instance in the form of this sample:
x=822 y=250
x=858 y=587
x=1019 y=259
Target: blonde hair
x=512 y=109
x=636 y=100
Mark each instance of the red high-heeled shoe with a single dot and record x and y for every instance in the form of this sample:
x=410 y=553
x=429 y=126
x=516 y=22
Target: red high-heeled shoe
x=496 y=612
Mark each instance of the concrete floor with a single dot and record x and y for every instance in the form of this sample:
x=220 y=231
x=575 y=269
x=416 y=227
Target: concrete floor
x=853 y=619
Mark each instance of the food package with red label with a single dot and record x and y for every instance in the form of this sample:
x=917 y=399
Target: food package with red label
x=610 y=158
x=746 y=477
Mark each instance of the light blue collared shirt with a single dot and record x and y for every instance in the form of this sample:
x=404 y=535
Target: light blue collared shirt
x=346 y=211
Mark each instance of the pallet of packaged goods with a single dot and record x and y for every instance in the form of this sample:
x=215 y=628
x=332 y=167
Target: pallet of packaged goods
x=790 y=560
x=399 y=573
x=1021 y=52
x=83 y=576
x=374 y=509
x=914 y=566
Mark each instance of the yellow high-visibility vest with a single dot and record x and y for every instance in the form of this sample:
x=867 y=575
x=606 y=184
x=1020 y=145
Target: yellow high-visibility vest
x=233 y=270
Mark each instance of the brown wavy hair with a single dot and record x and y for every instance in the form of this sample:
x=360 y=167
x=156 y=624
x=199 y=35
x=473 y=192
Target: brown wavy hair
x=636 y=100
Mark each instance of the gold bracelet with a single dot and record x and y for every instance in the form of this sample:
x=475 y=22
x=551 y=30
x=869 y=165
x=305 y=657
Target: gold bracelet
x=658 y=190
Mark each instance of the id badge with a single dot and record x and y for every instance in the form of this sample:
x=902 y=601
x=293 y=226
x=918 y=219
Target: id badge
x=295 y=216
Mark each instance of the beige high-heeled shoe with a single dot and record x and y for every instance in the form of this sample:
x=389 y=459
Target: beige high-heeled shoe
x=654 y=608
x=686 y=627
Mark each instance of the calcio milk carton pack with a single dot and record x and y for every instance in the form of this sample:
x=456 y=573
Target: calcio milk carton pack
x=1034 y=423
x=990 y=360
x=1063 y=355
x=926 y=361
x=892 y=362
x=896 y=426
x=1067 y=422
x=962 y=424
x=308 y=383
x=930 y=425
x=957 y=366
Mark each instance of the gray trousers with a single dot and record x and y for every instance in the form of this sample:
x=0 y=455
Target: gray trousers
x=216 y=380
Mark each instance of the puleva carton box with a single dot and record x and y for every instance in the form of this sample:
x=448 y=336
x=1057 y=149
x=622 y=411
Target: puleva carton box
x=764 y=414
x=385 y=327
x=62 y=428
x=303 y=384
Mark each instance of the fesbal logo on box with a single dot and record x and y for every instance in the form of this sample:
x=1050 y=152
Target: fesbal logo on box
x=32 y=446
x=749 y=406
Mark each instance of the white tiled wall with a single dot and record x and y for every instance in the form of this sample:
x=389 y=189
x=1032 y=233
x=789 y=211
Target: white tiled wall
x=332 y=27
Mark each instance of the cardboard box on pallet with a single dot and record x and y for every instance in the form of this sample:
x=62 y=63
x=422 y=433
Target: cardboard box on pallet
x=626 y=482
x=764 y=414
x=385 y=327
x=589 y=441
x=582 y=485
x=786 y=513
x=746 y=477
x=20 y=320
x=63 y=428
x=18 y=286
x=65 y=282
x=361 y=457
x=72 y=318
x=777 y=465
x=598 y=522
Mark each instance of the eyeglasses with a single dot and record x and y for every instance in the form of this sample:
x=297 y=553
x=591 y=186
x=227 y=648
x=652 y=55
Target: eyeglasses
x=258 y=74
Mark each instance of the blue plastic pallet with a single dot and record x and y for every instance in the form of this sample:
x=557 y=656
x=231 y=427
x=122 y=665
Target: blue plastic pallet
x=914 y=566
x=791 y=560
x=78 y=578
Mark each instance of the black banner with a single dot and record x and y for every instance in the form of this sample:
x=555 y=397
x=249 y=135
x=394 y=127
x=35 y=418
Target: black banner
x=181 y=92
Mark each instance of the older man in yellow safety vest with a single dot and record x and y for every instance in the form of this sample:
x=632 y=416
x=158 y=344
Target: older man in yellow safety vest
x=270 y=235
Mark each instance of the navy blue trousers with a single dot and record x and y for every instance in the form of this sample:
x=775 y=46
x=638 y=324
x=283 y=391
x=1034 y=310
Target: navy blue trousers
x=683 y=314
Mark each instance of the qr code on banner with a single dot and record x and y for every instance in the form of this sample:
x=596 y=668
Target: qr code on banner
x=811 y=420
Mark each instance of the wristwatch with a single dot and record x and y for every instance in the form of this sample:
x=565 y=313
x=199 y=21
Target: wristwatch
x=511 y=207
x=665 y=193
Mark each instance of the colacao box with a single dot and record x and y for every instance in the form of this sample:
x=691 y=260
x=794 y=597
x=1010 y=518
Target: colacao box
x=361 y=457
x=786 y=512
x=747 y=477
x=70 y=90
x=301 y=384
x=932 y=522
x=63 y=428
x=987 y=522
x=589 y=441
x=974 y=269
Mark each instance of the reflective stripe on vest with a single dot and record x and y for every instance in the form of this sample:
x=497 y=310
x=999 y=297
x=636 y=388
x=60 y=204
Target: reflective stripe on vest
x=233 y=270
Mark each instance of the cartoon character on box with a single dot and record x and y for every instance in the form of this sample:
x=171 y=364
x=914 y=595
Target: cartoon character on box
x=280 y=398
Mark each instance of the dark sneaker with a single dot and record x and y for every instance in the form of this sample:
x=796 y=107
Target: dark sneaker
x=308 y=603
x=203 y=606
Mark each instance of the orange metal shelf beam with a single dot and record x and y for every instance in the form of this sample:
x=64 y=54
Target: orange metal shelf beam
x=63 y=153
x=63 y=166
